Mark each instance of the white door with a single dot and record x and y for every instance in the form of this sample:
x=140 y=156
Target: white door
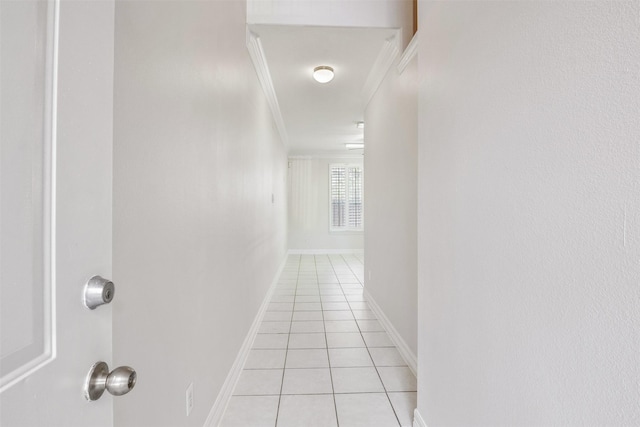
x=56 y=87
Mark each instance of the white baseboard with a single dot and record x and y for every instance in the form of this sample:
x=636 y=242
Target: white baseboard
x=220 y=405
x=325 y=251
x=418 y=421
x=403 y=348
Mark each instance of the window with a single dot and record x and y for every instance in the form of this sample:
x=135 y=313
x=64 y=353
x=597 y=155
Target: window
x=345 y=210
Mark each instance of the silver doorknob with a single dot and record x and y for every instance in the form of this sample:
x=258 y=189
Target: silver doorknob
x=117 y=382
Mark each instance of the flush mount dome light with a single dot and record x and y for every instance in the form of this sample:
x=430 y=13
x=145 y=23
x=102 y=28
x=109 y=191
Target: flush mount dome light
x=323 y=74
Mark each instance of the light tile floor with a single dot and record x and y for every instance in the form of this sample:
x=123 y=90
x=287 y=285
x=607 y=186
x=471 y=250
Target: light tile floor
x=321 y=358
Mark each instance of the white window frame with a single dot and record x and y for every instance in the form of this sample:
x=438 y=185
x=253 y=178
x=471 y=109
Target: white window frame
x=346 y=228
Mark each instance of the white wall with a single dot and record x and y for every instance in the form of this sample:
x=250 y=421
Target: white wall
x=197 y=239
x=391 y=162
x=529 y=213
x=308 y=214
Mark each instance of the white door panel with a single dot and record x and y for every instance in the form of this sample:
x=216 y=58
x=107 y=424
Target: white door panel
x=55 y=216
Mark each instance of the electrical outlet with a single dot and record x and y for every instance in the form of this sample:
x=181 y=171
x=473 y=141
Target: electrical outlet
x=189 y=399
x=369 y=275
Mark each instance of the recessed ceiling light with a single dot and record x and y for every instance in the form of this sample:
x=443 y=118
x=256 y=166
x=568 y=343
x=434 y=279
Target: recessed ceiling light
x=360 y=125
x=323 y=74
x=354 y=145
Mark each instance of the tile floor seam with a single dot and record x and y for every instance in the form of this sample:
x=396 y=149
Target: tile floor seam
x=326 y=341
x=368 y=351
x=384 y=387
x=284 y=366
x=345 y=285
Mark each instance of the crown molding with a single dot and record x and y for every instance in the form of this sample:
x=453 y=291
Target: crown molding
x=256 y=53
x=388 y=53
x=408 y=54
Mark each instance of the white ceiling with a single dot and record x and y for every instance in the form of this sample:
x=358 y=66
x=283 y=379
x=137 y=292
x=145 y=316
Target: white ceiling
x=320 y=118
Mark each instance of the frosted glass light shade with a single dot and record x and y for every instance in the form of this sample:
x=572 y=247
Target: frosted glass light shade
x=323 y=74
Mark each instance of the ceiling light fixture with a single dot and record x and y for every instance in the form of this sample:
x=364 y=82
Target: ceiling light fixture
x=323 y=74
x=360 y=125
x=354 y=145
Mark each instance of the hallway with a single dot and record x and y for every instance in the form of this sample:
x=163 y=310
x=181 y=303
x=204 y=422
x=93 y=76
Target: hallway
x=321 y=358
x=183 y=150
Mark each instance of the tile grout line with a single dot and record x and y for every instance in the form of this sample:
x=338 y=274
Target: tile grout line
x=326 y=341
x=374 y=364
x=286 y=352
x=306 y=269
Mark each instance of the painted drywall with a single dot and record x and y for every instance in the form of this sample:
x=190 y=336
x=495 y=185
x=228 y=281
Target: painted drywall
x=199 y=203
x=308 y=210
x=391 y=162
x=529 y=213
x=335 y=13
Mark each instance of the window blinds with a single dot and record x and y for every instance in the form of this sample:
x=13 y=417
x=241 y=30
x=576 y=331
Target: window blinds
x=346 y=197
